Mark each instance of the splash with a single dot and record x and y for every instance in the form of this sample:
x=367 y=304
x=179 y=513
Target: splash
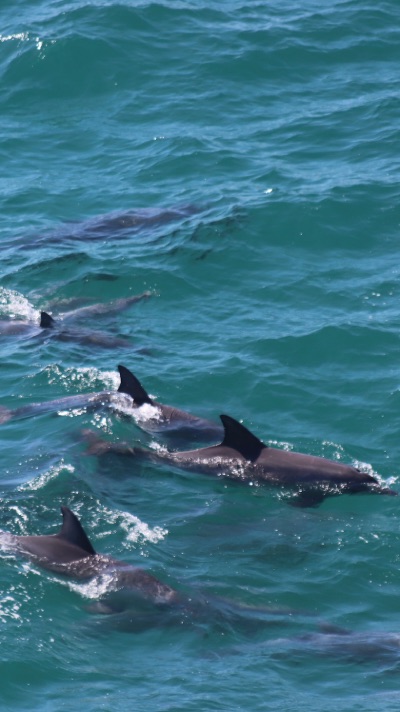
x=136 y=530
x=45 y=477
x=16 y=306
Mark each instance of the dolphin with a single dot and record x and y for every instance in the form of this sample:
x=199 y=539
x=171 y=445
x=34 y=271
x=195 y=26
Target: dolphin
x=117 y=224
x=102 y=308
x=154 y=417
x=241 y=456
x=120 y=399
x=70 y=553
x=131 y=400
x=129 y=589
x=58 y=327
x=19 y=327
x=333 y=641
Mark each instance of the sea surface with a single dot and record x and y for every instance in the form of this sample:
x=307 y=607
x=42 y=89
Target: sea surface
x=240 y=161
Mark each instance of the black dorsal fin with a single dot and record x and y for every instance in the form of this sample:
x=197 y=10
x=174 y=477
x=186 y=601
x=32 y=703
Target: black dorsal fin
x=130 y=385
x=73 y=532
x=46 y=321
x=239 y=438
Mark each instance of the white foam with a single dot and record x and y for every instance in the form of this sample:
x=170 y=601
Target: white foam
x=84 y=376
x=45 y=477
x=147 y=411
x=21 y=36
x=14 y=304
x=95 y=588
x=6 y=541
x=9 y=608
x=135 y=529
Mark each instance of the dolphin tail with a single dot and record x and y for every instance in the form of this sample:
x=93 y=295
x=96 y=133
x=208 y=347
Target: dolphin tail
x=132 y=386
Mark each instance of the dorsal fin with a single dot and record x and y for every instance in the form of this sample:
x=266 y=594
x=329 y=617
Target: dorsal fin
x=239 y=438
x=46 y=321
x=130 y=385
x=73 y=532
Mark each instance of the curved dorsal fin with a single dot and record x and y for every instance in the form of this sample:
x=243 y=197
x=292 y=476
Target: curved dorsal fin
x=130 y=385
x=239 y=438
x=73 y=532
x=46 y=321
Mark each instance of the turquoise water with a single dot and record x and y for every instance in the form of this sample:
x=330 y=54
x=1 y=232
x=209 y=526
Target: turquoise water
x=274 y=129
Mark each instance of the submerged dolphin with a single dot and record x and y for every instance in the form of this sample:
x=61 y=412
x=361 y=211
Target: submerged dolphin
x=243 y=457
x=116 y=224
x=341 y=643
x=129 y=589
x=58 y=328
x=154 y=417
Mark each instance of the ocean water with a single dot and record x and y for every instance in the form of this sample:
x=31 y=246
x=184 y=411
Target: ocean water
x=239 y=160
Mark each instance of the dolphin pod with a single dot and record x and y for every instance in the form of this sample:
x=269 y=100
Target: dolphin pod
x=243 y=457
x=239 y=456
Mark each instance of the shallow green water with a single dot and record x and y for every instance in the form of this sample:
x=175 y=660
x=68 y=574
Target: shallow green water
x=276 y=300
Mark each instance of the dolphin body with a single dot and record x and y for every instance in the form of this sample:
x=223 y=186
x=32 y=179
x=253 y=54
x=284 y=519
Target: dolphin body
x=341 y=643
x=130 y=590
x=154 y=417
x=122 y=398
x=58 y=328
x=131 y=399
x=117 y=224
x=70 y=553
x=241 y=456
